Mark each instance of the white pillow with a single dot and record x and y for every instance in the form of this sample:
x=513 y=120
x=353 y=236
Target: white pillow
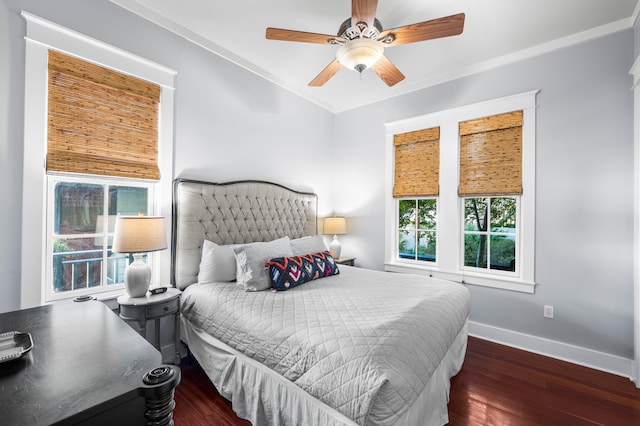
x=308 y=245
x=218 y=263
x=250 y=260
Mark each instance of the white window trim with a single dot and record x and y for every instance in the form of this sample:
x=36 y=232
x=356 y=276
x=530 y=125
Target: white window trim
x=449 y=204
x=42 y=35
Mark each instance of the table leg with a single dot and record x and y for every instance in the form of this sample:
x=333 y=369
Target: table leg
x=143 y=328
x=158 y=334
x=158 y=390
x=177 y=338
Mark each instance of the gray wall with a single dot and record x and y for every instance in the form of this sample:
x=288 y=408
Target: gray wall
x=231 y=124
x=584 y=189
x=11 y=103
x=636 y=33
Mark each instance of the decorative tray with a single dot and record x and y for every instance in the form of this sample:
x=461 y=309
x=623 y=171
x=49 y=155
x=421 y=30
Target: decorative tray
x=14 y=345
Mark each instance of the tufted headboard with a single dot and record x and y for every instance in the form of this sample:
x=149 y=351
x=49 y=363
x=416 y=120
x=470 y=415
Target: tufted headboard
x=233 y=213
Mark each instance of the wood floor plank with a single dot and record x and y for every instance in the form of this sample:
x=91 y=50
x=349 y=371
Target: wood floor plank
x=497 y=385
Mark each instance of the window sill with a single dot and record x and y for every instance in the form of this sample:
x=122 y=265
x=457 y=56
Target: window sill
x=101 y=297
x=107 y=297
x=503 y=283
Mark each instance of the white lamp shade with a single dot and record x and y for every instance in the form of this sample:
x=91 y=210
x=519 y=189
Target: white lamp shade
x=360 y=53
x=139 y=234
x=334 y=226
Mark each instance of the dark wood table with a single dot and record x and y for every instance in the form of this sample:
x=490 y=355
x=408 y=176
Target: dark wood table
x=87 y=366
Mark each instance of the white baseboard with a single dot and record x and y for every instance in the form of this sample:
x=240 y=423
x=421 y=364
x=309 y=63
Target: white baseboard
x=563 y=351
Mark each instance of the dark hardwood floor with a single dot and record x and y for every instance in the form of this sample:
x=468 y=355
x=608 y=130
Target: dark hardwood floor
x=497 y=385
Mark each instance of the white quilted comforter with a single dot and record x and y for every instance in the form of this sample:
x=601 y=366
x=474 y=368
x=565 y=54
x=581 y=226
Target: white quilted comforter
x=363 y=342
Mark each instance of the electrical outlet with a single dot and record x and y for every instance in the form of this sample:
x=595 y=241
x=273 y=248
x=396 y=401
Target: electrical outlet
x=548 y=311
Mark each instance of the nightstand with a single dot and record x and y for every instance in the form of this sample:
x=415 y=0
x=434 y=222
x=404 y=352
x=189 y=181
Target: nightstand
x=153 y=307
x=351 y=261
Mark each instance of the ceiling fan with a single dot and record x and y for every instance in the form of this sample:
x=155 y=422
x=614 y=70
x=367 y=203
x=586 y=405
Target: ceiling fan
x=362 y=41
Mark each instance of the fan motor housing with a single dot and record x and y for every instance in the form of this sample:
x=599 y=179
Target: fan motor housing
x=361 y=30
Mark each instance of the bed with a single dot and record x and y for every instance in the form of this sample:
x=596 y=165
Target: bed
x=358 y=347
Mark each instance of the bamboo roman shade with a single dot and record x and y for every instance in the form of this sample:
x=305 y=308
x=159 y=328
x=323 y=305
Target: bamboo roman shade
x=491 y=155
x=417 y=163
x=100 y=122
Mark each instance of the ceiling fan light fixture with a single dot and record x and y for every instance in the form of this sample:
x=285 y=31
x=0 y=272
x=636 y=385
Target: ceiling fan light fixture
x=359 y=54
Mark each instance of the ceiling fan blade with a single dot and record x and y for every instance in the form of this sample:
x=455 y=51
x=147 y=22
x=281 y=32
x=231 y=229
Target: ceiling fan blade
x=326 y=74
x=428 y=30
x=388 y=72
x=301 y=36
x=363 y=11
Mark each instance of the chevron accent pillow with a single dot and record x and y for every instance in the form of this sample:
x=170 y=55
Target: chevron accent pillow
x=289 y=272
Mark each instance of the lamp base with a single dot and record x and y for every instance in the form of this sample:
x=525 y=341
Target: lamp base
x=137 y=277
x=335 y=248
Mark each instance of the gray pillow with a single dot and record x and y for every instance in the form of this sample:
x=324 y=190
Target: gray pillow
x=217 y=264
x=308 y=245
x=250 y=259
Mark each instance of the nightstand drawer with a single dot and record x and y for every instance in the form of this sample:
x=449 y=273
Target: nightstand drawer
x=163 y=309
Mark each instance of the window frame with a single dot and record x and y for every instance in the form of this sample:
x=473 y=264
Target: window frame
x=450 y=205
x=397 y=241
x=42 y=35
x=106 y=181
x=489 y=233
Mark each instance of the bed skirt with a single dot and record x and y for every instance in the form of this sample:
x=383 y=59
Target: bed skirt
x=264 y=397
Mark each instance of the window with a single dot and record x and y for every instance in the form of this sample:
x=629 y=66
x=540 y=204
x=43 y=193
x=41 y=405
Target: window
x=68 y=211
x=82 y=220
x=417 y=219
x=491 y=164
x=101 y=124
x=478 y=226
x=490 y=233
x=416 y=171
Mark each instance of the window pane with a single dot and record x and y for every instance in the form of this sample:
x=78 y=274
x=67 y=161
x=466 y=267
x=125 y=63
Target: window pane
x=123 y=201
x=503 y=253
x=77 y=206
x=427 y=246
x=116 y=264
x=105 y=224
x=127 y=200
x=475 y=250
x=406 y=245
x=475 y=214
x=503 y=215
x=77 y=263
x=407 y=214
x=427 y=214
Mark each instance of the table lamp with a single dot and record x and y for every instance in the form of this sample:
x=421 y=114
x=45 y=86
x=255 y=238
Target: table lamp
x=138 y=235
x=337 y=226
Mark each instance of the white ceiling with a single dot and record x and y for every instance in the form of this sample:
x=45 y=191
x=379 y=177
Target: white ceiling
x=496 y=32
